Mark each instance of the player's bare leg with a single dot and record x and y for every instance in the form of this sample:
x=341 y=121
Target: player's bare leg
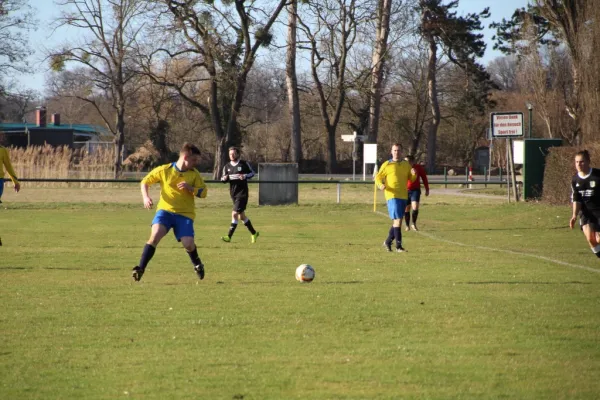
x=157 y=232
x=248 y=224
x=235 y=218
x=415 y=214
x=592 y=237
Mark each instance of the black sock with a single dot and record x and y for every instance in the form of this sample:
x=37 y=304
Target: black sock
x=415 y=216
x=232 y=229
x=390 y=237
x=194 y=256
x=147 y=255
x=407 y=217
x=249 y=226
x=398 y=237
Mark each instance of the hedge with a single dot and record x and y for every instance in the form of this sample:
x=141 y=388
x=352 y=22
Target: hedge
x=560 y=168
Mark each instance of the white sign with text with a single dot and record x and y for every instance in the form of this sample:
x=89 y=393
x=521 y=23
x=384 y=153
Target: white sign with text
x=506 y=124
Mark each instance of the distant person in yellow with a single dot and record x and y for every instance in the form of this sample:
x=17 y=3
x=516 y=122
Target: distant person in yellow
x=180 y=183
x=391 y=178
x=5 y=163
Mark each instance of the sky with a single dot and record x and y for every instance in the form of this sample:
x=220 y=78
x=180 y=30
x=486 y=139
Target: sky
x=47 y=12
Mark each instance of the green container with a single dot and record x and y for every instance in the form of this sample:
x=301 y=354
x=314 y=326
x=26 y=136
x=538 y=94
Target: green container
x=534 y=164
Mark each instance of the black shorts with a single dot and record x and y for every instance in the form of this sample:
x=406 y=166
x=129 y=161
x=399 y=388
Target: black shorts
x=591 y=219
x=414 y=195
x=240 y=203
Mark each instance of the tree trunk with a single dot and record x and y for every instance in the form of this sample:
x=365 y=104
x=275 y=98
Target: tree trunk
x=379 y=54
x=215 y=119
x=435 y=107
x=331 y=150
x=292 y=84
x=119 y=142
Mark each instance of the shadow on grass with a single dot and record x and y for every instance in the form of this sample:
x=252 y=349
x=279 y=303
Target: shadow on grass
x=524 y=283
x=497 y=229
x=82 y=269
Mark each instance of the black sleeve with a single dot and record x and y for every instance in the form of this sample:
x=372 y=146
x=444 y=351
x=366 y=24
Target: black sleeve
x=575 y=195
x=248 y=171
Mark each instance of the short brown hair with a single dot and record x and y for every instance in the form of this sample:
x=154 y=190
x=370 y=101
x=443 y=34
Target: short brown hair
x=585 y=154
x=190 y=149
x=236 y=149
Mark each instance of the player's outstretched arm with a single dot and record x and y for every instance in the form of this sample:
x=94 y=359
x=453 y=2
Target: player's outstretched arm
x=147 y=200
x=576 y=209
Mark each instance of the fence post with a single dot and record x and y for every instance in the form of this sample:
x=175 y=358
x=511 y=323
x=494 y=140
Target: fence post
x=445 y=177
x=485 y=177
x=339 y=192
x=500 y=171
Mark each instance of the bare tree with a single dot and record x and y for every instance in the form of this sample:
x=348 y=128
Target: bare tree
x=109 y=29
x=409 y=85
x=503 y=71
x=330 y=28
x=210 y=52
x=292 y=83
x=16 y=21
x=461 y=45
x=555 y=23
x=380 y=53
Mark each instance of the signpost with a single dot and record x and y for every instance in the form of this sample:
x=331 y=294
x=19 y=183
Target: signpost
x=508 y=125
x=369 y=156
x=353 y=138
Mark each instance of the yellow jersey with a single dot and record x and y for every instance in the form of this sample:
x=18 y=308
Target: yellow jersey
x=395 y=174
x=173 y=199
x=5 y=163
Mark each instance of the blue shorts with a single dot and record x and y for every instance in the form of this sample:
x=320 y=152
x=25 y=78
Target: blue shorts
x=182 y=226
x=414 y=195
x=396 y=208
x=1 y=186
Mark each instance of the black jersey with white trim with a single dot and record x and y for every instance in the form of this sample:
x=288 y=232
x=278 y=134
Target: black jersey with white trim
x=586 y=190
x=233 y=170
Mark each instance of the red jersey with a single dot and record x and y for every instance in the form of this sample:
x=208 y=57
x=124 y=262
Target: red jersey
x=421 y=175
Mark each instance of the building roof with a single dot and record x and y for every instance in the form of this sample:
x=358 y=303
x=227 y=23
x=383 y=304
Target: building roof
x=82 y=128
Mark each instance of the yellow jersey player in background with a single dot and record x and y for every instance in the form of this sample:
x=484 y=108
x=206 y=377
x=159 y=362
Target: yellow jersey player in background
x=5 y=164
x=180 y=184
x=391 y=178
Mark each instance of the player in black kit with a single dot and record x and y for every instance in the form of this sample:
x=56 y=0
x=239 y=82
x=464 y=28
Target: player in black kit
x=237 y=172
x=586 y=200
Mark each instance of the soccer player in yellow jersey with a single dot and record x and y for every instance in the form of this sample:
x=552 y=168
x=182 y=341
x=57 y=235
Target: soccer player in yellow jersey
x=5 y=163
x=180 y=183
x=391 y=178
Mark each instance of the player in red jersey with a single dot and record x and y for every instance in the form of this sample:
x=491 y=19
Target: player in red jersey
x=414 y=194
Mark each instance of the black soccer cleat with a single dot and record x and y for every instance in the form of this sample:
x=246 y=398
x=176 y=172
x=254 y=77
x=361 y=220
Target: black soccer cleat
x=388 y=246
x=401 y=250
x=199 y=269
x=137 y=273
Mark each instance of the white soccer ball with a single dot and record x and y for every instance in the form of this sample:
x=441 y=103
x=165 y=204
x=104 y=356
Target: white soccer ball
x=305 y=273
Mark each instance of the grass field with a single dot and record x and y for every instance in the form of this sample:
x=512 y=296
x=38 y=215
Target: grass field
x=492 y=301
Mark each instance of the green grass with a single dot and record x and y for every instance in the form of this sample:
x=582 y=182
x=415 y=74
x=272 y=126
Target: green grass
x=448 y=319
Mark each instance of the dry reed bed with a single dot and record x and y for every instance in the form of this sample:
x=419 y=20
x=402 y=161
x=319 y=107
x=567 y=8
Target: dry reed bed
x=47 y=162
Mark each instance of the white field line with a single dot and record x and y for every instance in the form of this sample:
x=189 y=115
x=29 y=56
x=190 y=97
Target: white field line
x=518 y=253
